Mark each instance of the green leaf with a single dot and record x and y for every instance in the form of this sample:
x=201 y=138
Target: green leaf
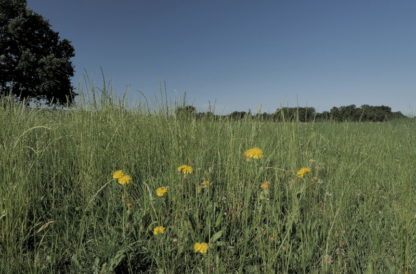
x=221 y=243
x=219 y=220
x=192 y=221
x=216 y=236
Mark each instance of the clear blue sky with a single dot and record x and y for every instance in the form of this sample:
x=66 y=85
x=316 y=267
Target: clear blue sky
x=242 y=55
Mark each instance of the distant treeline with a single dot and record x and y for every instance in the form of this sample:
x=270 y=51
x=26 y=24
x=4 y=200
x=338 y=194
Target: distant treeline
x=302 y=114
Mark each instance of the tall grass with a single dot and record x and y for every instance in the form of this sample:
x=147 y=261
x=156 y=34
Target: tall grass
x=61 y=211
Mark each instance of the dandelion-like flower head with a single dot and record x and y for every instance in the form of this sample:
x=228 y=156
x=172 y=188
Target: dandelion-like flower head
x=159 y=230
x=201 y=247
x=265 y=185
x=185 y=169
x=124 y=180
x=118 y=174
x=303 y=171
x=254 y=153
x=161 y=191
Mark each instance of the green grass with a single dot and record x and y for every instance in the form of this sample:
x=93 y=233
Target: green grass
x=61 y=211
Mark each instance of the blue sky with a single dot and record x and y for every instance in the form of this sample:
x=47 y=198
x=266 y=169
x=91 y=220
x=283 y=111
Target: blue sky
x=241 y=55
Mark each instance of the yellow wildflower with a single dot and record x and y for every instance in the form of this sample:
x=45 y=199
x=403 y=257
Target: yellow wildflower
x=118 y=174
x=205 y=183
x=161 y=191
x=254 y=153
x=303 y=171
x=185 y=169
x=125 y=179
x=201 y=247
x=265 y=185
x=159 y=230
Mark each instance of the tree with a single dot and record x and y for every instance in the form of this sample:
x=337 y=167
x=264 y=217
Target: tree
x=185 y=112
x=301 y=114
x=238 y=115
x=349 y=113
x=34 y=61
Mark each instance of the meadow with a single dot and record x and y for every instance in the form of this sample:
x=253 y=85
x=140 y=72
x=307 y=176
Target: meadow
x=65 y=209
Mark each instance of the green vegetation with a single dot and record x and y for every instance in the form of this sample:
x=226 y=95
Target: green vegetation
x=349 y=113
x=62 y=211
x=34 y=61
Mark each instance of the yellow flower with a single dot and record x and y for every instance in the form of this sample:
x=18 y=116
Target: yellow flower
x=159 y=230
x=201 y=247
x=254 y=153
x=265 y=185
x=303 y=171
x=161 y=191
x=185 y=169
x=125 y=179
x=118 y=174
x=205 y=183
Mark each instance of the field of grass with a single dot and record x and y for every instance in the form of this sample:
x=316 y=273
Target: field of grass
x=61 y=211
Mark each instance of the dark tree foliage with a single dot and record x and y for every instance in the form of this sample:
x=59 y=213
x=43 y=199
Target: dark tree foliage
x=266 y=116
x=185 y=112
x=34 y=61
x=301 y=114
x=323 y=116
x=238 y=115
x=365 y=113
